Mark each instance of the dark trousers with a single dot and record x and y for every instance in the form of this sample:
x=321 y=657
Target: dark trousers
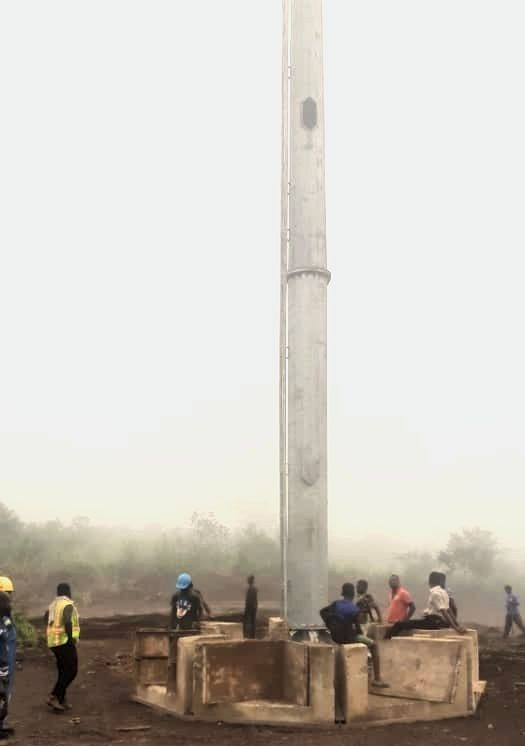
x=67 y=665
x=428 y=622
x=249 y=623
x=513 y=618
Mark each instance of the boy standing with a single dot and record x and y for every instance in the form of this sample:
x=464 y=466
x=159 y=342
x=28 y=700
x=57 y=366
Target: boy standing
x=369 y=611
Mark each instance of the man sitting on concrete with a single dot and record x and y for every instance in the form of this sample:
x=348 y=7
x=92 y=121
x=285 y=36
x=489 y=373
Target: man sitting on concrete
x=437 y=615
x=451 y=600
x=401 y=607
x=341 y=619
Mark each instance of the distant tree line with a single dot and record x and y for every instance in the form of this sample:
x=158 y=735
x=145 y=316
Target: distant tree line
x=115 y=561
x=104 y=562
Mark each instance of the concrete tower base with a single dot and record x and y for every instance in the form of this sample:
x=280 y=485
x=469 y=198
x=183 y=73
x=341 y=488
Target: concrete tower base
x=217 y=676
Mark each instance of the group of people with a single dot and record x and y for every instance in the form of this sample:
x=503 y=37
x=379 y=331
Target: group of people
x=348 y=619
x=62 y=634
x=188 y=606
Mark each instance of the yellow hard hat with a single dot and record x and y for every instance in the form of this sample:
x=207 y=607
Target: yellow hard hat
x=6 y=585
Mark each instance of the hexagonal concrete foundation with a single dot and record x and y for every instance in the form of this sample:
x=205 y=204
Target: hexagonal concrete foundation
x=218 y=676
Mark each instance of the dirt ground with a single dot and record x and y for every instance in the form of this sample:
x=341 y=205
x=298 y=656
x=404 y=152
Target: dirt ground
x=102 y=706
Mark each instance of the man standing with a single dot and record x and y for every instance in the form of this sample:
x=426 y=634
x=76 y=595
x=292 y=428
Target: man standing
x=186 y=605
x=63 y=631
x=7 y=587
x=250 y=609
x=401 y=607
x=512 y=612
x=367 y=605
x=5 y=655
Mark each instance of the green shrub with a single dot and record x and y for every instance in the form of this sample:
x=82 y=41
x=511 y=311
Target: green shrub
x=25 y=632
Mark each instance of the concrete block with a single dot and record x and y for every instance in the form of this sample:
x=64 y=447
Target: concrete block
x=384 y=710
x=321 y=688
x=463 y=695
x=241 y=671
x=472 y=634
x=472 y=661
x=420 y=668
x=311 y=665
x=230 y=630
x=352 y=681
x=180 y=696
x=277 y=629
x=294 y=673
x=151 y=695
x=175 y=637
x=151 y=671
x=151 y=643
x=239 y=685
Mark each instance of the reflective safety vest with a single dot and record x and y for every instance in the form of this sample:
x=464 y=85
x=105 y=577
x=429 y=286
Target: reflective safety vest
x=56 y=629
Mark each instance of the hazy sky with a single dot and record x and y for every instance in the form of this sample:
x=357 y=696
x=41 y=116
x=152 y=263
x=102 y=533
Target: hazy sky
x=139 y=240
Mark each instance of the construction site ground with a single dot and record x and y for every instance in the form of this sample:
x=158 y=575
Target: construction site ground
x=103 y=712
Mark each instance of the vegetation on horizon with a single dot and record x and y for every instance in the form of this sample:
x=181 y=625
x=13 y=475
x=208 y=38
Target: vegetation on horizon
x=106 y=562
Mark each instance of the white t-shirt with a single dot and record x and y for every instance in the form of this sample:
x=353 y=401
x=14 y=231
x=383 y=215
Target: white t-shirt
x=438 y=601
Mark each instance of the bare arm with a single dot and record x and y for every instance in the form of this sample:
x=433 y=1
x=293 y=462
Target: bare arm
x=449 y=618
x=377 y=610
x=411 y=608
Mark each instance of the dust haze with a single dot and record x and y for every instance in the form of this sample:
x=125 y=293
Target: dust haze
x=139 y=241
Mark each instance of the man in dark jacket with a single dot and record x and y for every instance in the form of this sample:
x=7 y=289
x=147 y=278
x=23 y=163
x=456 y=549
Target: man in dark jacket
x=186 y=605
x=250 y=608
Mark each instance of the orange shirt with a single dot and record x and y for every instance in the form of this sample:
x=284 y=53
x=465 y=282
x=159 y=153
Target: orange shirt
x=398 y=609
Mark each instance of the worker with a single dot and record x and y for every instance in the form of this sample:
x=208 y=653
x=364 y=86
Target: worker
x=7 y=587
x=63 y=632
x=437 y=615
x=5 y=667
x=369 y=611
x=250 y=608
x=187 y=605
x=342 y=621
x=512 y=612
x=401 y=607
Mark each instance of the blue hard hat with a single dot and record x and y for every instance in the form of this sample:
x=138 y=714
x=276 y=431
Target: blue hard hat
x=183 y=581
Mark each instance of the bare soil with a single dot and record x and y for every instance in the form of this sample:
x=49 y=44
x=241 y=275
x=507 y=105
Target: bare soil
x=102 y=706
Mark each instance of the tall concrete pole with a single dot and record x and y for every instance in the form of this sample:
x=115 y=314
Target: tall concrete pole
x=283 y=342
x=307 y=280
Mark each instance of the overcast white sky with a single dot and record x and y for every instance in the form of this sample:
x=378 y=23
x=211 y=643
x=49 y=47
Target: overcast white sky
x=139 y=240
